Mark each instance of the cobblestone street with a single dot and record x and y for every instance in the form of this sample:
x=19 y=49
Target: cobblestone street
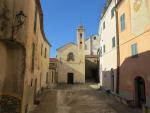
x=79 y=99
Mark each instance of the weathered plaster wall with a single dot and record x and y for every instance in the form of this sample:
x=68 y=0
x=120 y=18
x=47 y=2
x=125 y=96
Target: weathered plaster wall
x=132 y=67
x=108 y=59
x=17 y=55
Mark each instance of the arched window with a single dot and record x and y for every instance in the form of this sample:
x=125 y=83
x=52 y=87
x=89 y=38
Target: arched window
x=70 y=57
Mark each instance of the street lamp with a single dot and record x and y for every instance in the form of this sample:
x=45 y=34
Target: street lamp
x=19 y=21
x=20 y=18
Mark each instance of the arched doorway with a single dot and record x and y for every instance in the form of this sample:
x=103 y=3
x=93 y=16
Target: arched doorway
x=140 y=91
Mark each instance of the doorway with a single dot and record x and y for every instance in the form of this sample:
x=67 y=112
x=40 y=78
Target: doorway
x=112 y=80
x=70 y=78
x=35 y=88
x=140 y=91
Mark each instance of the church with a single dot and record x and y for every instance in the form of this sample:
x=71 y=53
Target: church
x=71 y=57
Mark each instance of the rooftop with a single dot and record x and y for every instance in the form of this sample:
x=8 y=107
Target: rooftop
x=53 y=59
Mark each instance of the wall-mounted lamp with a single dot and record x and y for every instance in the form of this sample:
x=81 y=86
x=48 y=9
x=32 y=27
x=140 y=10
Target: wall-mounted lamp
x=19 y=21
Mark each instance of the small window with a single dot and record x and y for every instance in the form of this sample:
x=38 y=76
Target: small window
x=33 y=55
x=112 y=12
x=101 y=53
x=81 y=35
x=134 y=50
x=47 y=78
x=122 y=22
x=35 y=20
x=45 y=52
x=94 y=38
x=70 y=57
x=52 y=76
x=104 y=48
x=113 y=42
x=31 y=82
x=103 y=25
x=41 y=49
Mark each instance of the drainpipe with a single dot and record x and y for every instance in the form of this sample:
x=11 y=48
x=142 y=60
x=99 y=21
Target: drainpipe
x=118 y=54
x=13 y=12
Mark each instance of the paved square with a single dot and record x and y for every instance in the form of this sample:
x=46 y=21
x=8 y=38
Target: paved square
x=80 y=99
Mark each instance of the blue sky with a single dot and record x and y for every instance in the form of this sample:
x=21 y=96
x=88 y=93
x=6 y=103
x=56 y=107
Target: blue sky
x=62 y=17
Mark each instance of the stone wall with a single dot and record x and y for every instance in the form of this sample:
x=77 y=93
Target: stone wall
x=9 y=104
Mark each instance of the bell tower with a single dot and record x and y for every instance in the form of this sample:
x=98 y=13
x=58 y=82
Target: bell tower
x=80 y=38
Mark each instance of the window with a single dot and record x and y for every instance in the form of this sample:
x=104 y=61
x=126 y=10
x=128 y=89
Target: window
x=52 y=76
x=104 y=48
x=47 y=78
x=41 y=49
x=35 y=19
x=134 y=49
x=112 y=12
x=122 y=22
x=103 y=25
x=113 y=42
x=33 y=55
x=81 y=35
x=70 y=57
x=31 y=82
x=101 y=51
x=45 y=52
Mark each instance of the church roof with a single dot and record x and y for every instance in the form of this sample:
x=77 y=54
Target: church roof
x=53 y=59
x=71 y=43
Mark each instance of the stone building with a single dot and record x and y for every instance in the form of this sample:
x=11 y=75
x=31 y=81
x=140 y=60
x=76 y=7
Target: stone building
x=108 y=47
x=92 y=45
x=24 y=54
x=91 y=58
x=53 y=73
x=133 y=31
x=71 y=59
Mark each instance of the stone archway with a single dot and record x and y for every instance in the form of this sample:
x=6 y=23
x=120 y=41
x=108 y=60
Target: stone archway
x=140 y=97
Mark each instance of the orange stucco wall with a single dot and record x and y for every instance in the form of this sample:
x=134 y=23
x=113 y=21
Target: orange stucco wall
x=132 y=67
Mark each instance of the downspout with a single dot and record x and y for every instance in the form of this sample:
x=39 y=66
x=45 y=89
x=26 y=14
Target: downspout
x=13 y=12
x=118 y=54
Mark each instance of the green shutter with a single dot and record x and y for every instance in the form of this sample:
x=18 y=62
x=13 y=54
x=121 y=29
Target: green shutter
x=104 y=49
x=122 y=22
x=112 y=12
x=113 y=42
x=134 y=49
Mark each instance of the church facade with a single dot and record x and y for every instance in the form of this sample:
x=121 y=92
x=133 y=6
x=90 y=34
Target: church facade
x=71 y=60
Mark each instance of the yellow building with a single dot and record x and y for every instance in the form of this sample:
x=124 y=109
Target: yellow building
x=71 y=59
x=24 y=54
x=134 y=48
